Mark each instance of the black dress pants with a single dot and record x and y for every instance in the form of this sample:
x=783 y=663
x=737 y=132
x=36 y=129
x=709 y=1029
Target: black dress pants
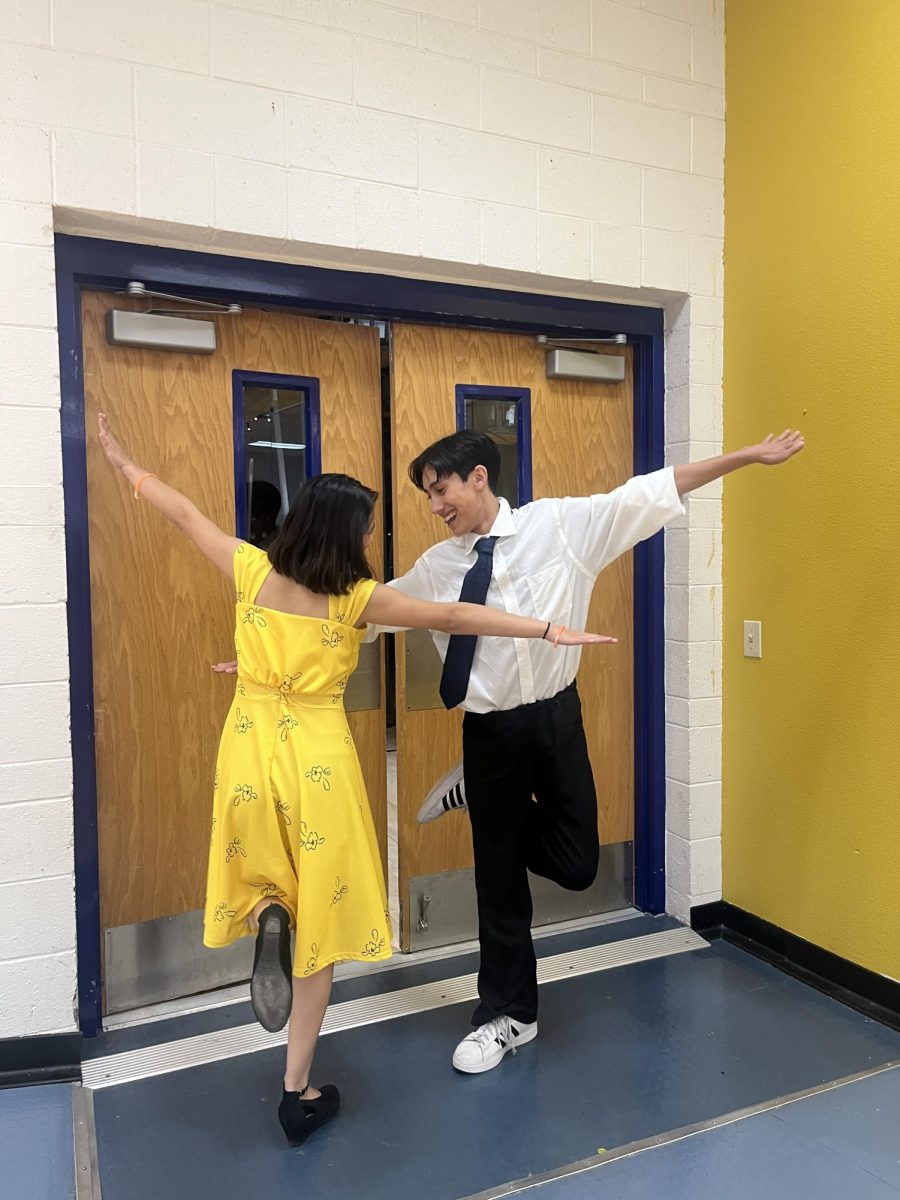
x=533 y=806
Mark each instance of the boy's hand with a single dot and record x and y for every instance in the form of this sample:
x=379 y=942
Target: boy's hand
x=774 y=450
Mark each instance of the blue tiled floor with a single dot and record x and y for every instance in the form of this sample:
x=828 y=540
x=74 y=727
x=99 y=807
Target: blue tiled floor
x=622 y=1055
x=840 y=1145
x=860 y=1122
x=36 y=1147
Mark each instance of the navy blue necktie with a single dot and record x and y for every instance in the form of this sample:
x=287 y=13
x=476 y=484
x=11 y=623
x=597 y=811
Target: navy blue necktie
x=461 y=650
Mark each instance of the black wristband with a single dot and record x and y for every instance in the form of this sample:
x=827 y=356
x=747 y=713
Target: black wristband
x=546 y=631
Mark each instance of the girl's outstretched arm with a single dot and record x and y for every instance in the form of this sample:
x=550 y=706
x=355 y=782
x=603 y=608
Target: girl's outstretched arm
x=387 y=606
x=212 y=541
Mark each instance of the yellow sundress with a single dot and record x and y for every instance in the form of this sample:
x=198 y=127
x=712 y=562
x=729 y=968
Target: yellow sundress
x=291 y=815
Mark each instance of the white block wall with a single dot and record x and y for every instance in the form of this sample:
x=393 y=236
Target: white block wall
x=548 y=145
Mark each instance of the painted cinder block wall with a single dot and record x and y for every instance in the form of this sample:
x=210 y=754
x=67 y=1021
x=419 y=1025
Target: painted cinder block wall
x=570 y=146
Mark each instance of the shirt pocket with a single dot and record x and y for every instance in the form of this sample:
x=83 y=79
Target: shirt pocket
x=551 y=591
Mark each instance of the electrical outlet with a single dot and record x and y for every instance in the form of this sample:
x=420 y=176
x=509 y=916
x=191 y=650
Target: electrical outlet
x=753 y=639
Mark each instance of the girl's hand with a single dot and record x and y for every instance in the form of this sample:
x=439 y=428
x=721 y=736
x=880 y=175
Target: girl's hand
x=111 y=447
x=225 y=668
x=559 y=635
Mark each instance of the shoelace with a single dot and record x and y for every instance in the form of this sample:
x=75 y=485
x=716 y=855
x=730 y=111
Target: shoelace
x=499 y=1027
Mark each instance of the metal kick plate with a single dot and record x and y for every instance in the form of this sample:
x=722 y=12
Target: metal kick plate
x=423 y=671
x=164 y=959
x=443 y=910
x=364 y=689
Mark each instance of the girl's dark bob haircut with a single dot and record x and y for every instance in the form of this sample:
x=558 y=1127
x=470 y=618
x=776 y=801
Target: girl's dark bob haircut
x=458 y=454
x=320 y=543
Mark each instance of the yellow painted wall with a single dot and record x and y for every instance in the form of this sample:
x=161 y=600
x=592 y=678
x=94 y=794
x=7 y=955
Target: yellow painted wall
x=811 y=770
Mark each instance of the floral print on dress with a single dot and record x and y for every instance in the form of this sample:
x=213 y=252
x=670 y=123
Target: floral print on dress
x=233 y=849
x=285 y=724
x=243 y=792
x=312 y=962
x=267 y=889
x=374 y=946
x=309 y=839
x=320 y=775
x=332 y=638
x=283 y=809
x=288 y=681
x=339 y=617
x=242 y=724
x=255 y=616
x=222 y=911
x=216 y=782
x=241 y=690
x=340 y=891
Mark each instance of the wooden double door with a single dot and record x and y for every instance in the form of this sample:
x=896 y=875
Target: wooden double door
x=161 y=615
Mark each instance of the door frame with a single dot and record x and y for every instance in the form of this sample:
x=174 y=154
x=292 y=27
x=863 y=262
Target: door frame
x=95 y=263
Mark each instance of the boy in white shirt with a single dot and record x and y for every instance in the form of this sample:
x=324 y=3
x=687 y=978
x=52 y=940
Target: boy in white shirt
x=522 y=732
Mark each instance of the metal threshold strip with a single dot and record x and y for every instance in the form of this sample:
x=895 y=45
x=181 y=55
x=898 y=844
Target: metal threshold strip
x=598 y=1162
x=87 y=1171
x=212 y=1047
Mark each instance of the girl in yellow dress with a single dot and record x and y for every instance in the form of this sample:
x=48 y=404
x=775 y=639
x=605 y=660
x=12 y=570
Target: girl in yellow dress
x=293 y=844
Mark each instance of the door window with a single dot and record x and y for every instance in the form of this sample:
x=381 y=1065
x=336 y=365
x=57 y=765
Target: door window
x=276 y=447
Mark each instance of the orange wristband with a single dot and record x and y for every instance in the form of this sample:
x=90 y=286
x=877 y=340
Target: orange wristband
x=137 y=486
x=559 y=634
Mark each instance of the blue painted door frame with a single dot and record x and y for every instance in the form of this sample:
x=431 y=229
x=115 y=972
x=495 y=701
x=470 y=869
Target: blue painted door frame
x=96 y=263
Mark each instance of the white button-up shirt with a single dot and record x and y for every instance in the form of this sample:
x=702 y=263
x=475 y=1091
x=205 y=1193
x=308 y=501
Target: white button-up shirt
x=546 y=560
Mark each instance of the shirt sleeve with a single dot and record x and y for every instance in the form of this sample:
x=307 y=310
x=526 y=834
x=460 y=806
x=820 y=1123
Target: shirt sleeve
x=417 y=583
x=597 y=529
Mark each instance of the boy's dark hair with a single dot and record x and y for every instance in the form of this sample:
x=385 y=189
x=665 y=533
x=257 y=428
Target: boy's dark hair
x=320 y=543
x=458 y=454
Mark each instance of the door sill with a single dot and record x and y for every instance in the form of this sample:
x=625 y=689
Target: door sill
x=238 y=993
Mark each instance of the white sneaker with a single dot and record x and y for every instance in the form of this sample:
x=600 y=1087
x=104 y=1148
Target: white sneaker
x=485 y=1047
x=448 y=793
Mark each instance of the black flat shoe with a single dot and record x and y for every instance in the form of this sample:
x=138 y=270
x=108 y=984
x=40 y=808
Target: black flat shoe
x=271 y=990
x=300 y=1117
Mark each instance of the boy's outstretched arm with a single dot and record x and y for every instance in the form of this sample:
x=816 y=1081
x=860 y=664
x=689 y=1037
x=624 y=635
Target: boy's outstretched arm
x=770 y=451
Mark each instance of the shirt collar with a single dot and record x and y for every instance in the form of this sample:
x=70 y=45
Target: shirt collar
x=503 y=526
